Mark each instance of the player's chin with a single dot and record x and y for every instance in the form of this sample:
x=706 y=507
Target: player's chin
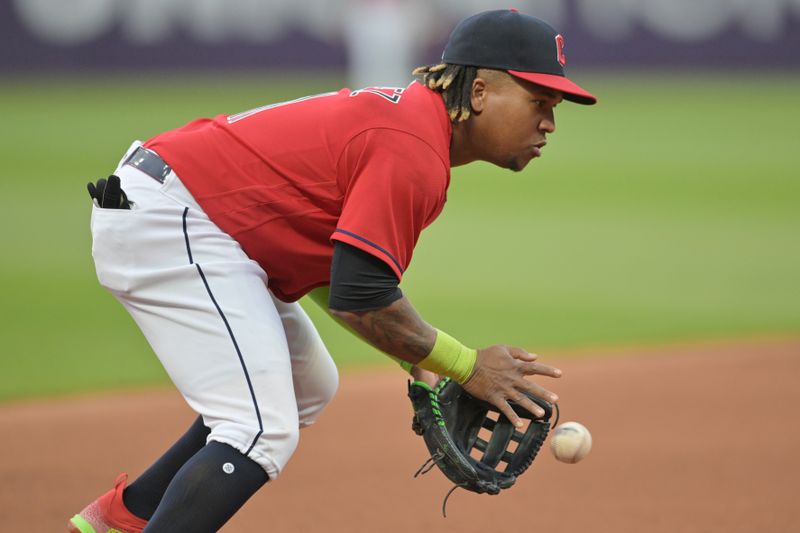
x=518 y=163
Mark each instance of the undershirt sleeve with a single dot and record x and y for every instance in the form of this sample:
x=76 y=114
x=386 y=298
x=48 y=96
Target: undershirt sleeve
x=394 y=185
x=360 y=281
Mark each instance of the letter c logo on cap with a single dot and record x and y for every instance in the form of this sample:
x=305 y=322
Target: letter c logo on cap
x=562 y=59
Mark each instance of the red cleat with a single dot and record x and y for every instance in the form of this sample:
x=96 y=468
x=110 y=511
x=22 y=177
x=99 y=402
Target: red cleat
x=107 y=514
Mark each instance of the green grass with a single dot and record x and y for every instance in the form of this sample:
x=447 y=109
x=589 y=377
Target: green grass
x=668 y=212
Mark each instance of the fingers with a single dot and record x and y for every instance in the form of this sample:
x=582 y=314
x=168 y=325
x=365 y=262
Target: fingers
x=499 y=378
x=509 y=413
x=530 y=369
x=526 y=403
x=522 y=355
x=529 y=405
x=540 y=392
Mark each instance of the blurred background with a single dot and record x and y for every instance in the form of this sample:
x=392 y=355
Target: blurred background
x=669 y=212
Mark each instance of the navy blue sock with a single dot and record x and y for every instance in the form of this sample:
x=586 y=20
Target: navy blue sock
x=207 y=491
x=143 y=495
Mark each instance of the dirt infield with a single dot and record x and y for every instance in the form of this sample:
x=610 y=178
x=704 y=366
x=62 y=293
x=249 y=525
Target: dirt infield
x=702 y=438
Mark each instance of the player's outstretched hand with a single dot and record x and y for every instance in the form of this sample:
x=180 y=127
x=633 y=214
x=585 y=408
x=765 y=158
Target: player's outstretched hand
x=499 y=377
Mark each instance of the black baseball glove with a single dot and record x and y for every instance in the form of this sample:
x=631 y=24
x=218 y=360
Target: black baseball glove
x=450 y=420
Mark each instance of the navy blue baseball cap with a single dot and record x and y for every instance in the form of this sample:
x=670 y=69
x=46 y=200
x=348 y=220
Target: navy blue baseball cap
x=522 y=45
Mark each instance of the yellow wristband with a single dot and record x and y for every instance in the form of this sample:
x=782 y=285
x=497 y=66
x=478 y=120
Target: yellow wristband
x=450 y=358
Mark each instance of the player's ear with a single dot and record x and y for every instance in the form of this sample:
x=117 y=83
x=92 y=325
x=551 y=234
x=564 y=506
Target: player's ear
x=478 y=95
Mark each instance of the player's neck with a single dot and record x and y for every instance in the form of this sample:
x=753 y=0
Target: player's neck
x=461 y=150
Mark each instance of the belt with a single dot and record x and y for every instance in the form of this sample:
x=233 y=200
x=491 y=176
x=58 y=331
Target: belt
x=150 y=163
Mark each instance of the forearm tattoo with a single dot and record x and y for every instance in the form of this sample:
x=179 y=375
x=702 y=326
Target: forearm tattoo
x=396 y=329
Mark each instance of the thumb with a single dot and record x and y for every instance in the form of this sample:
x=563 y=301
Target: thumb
x=522 y=355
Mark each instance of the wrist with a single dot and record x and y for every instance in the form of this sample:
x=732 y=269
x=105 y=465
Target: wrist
x=450 y=358
x=405 y=365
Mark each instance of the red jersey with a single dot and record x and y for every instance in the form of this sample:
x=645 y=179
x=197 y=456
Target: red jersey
x=369 y=168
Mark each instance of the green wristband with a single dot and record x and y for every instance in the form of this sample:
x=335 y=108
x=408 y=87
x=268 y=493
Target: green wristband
x=405 y=365
x=450 y=358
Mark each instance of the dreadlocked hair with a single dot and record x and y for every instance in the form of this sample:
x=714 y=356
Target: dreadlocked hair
x=454 y=83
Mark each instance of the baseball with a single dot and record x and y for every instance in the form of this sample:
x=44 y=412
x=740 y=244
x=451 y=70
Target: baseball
x=571 y=442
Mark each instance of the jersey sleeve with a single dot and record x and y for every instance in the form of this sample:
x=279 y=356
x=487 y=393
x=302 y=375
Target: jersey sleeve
x=394 y=186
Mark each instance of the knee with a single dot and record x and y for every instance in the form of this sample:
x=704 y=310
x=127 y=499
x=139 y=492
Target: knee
x=329 y=388
x=270 y=446
x=330 y=384
x=280 y=445
x=316 y=391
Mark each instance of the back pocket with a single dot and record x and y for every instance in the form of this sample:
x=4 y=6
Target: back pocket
x=111 y=249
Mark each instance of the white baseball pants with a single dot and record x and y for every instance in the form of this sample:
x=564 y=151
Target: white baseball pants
x=254 y=367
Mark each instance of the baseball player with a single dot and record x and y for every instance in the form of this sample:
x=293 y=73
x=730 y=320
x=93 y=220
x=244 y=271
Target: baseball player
x=210 y=233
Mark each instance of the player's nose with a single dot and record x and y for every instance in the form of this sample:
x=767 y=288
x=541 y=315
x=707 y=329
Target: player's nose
x=547 y=125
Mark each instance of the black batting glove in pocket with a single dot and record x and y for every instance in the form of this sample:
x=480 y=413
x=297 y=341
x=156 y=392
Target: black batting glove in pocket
x=108 y=194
